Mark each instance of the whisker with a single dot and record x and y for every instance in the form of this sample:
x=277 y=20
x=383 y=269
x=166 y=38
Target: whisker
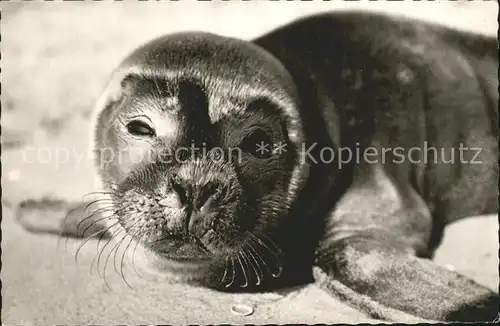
x=122 y=263
x=278 y=255
x=98 y=245
x=254 y=267
x=96 y=212
x=244 y=272
x=137 y=242
x=259 y=238
x=121 y=241
x=95 y=222
x=278 y=264
x=69 y=212
x=225 y=272
x=252 y=251
x=76 y=208
x=118 y=244
x=83 y=243
x=115 y=233
x=276 y=247
x=98 y=193
x=96 y=201
x=233 y=276
x=67 y=236
x=107 y=260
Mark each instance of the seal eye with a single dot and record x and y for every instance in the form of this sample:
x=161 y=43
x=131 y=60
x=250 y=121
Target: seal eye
x=258 y=143
x=140 y=128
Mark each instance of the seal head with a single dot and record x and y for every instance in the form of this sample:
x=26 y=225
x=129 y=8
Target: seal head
x=197 y=139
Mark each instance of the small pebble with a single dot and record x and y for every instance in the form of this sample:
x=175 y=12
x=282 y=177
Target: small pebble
x=241 y=310
x=450 y=267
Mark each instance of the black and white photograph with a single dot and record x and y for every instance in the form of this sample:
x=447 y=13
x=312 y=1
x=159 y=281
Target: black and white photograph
x=249 y=162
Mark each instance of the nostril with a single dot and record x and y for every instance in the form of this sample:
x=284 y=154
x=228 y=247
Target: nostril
x=206 y=193
x=180 y=190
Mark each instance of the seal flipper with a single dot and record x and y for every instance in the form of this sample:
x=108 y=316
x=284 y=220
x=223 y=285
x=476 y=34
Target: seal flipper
x=363 y=302
x=60 y=217
x=362 y=270
x=372 y=243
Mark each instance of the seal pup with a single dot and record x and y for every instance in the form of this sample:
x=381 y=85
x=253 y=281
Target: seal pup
x=346 y=82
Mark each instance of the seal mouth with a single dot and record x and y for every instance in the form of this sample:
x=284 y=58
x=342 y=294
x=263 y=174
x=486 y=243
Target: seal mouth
x=182 y=249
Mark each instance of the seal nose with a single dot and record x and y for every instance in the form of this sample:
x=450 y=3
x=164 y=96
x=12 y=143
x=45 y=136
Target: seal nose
x=202 y=201
x=182 y=192
x=198 y=197
x=205 y=196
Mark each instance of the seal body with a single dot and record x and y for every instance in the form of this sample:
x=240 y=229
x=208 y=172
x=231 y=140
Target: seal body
x=401 y=86
x=344 y=140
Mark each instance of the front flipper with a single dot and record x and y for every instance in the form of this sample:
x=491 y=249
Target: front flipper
x=363 y=302
x=374 y=238
x=60 y=217
x=364 y=270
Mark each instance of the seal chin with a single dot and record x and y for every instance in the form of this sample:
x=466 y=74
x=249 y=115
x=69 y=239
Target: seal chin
x=190 y=253
x=189 y=249
x=179 y=248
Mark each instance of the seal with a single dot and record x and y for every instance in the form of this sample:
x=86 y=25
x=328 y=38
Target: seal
x=225 y=158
